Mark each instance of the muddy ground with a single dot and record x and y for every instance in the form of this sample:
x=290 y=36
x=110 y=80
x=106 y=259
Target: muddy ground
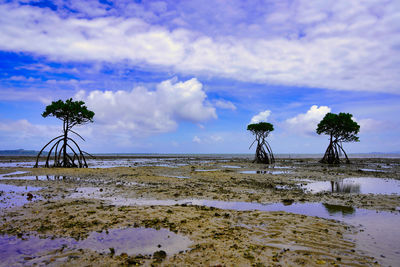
x=219 y=237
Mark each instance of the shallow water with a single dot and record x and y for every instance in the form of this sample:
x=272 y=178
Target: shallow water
x=122 y=162
x=231 y=167
x=13 y=164
x=378 y=237
x=361 y=185
x=2 y=176
x=132 y=241
x=12 y=195
x=38 y=177
x=176 y=176
x=265 y=172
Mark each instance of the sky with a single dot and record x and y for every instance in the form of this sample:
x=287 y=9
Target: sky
x=188 y=76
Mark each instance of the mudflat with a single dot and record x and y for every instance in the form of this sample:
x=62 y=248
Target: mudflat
x=225 y=212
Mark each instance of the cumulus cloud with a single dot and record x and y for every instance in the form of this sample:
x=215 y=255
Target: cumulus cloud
x=348 y=45
x=143 y=112
x=262 y=116
x=306 y=123
x=224 y=104
x=196 y=139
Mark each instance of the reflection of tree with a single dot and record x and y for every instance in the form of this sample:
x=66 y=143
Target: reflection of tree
x=341 y=187
x=59 y=178
x=332 y=209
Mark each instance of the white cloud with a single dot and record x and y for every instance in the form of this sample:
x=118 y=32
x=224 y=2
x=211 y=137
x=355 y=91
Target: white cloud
x=196 y=139
x=348 y=45
x=23 y=79
x=224 y=104
x=24 y=129
x=42 y=95
x=208 y=139
x=216 y=138
x=262 y=116
x=373 y=126
x=306 y=123
x=143 y=112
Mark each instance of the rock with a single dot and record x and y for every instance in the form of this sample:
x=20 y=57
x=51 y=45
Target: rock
x=29 y=196
x=159 y=255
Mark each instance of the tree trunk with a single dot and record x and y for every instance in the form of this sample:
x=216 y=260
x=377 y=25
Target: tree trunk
x=65 y=160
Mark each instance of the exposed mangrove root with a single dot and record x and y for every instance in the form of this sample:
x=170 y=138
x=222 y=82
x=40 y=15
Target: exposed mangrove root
x=74 y=159
x=332 y=154
x=263 y=151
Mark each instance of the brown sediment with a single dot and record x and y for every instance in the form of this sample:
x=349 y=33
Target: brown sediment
x=219 y=236
x=225 y=183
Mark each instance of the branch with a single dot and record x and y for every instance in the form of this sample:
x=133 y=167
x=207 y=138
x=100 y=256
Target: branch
x=77 y=135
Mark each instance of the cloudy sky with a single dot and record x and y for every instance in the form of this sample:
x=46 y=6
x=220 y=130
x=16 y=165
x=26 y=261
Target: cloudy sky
x=187 y=77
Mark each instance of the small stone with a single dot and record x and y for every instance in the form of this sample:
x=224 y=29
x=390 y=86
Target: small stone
x=159 y=255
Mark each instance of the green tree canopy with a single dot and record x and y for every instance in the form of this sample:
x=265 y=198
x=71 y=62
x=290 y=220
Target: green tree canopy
x=260 y=127
x=71 y=112
x=341 y=128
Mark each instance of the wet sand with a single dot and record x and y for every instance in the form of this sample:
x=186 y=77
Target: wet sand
x=73 y=203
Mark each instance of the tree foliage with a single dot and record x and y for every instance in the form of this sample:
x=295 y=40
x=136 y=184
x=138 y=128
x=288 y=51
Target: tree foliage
x=72 y=113
x=340 y=128
x=261 y=131
x=261 y=127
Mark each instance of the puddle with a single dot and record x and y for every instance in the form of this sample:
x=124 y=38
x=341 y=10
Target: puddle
x=209 y=170
x=39 y=177
x=17 y=189
x=70 y=179
x=124 y=183
x=176 y=176
x=378 y=237
x=362 y=185
x=231 y=167
x=11 y=164
x=265 y=172
x=12 y=195
x=132 y=241
x=303 y=180
x=282 y=167
x=371 y=170
x=136 y=241
x=4 y=175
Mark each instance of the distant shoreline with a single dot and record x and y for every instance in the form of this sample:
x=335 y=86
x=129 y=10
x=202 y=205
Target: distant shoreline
x=32 y=153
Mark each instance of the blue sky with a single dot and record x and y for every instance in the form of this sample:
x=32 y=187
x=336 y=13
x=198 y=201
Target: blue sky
x=187 y=77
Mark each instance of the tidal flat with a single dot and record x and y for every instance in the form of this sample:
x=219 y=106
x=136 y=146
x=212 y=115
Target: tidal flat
x=200 y=211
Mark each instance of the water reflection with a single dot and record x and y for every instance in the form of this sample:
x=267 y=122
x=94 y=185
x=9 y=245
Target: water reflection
x=338 y=209
x=342 y=187
x=32 y=249
x=378 y=237
x=39 y=177
x=12 y=195
x=361 y=185
x=265 y=172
